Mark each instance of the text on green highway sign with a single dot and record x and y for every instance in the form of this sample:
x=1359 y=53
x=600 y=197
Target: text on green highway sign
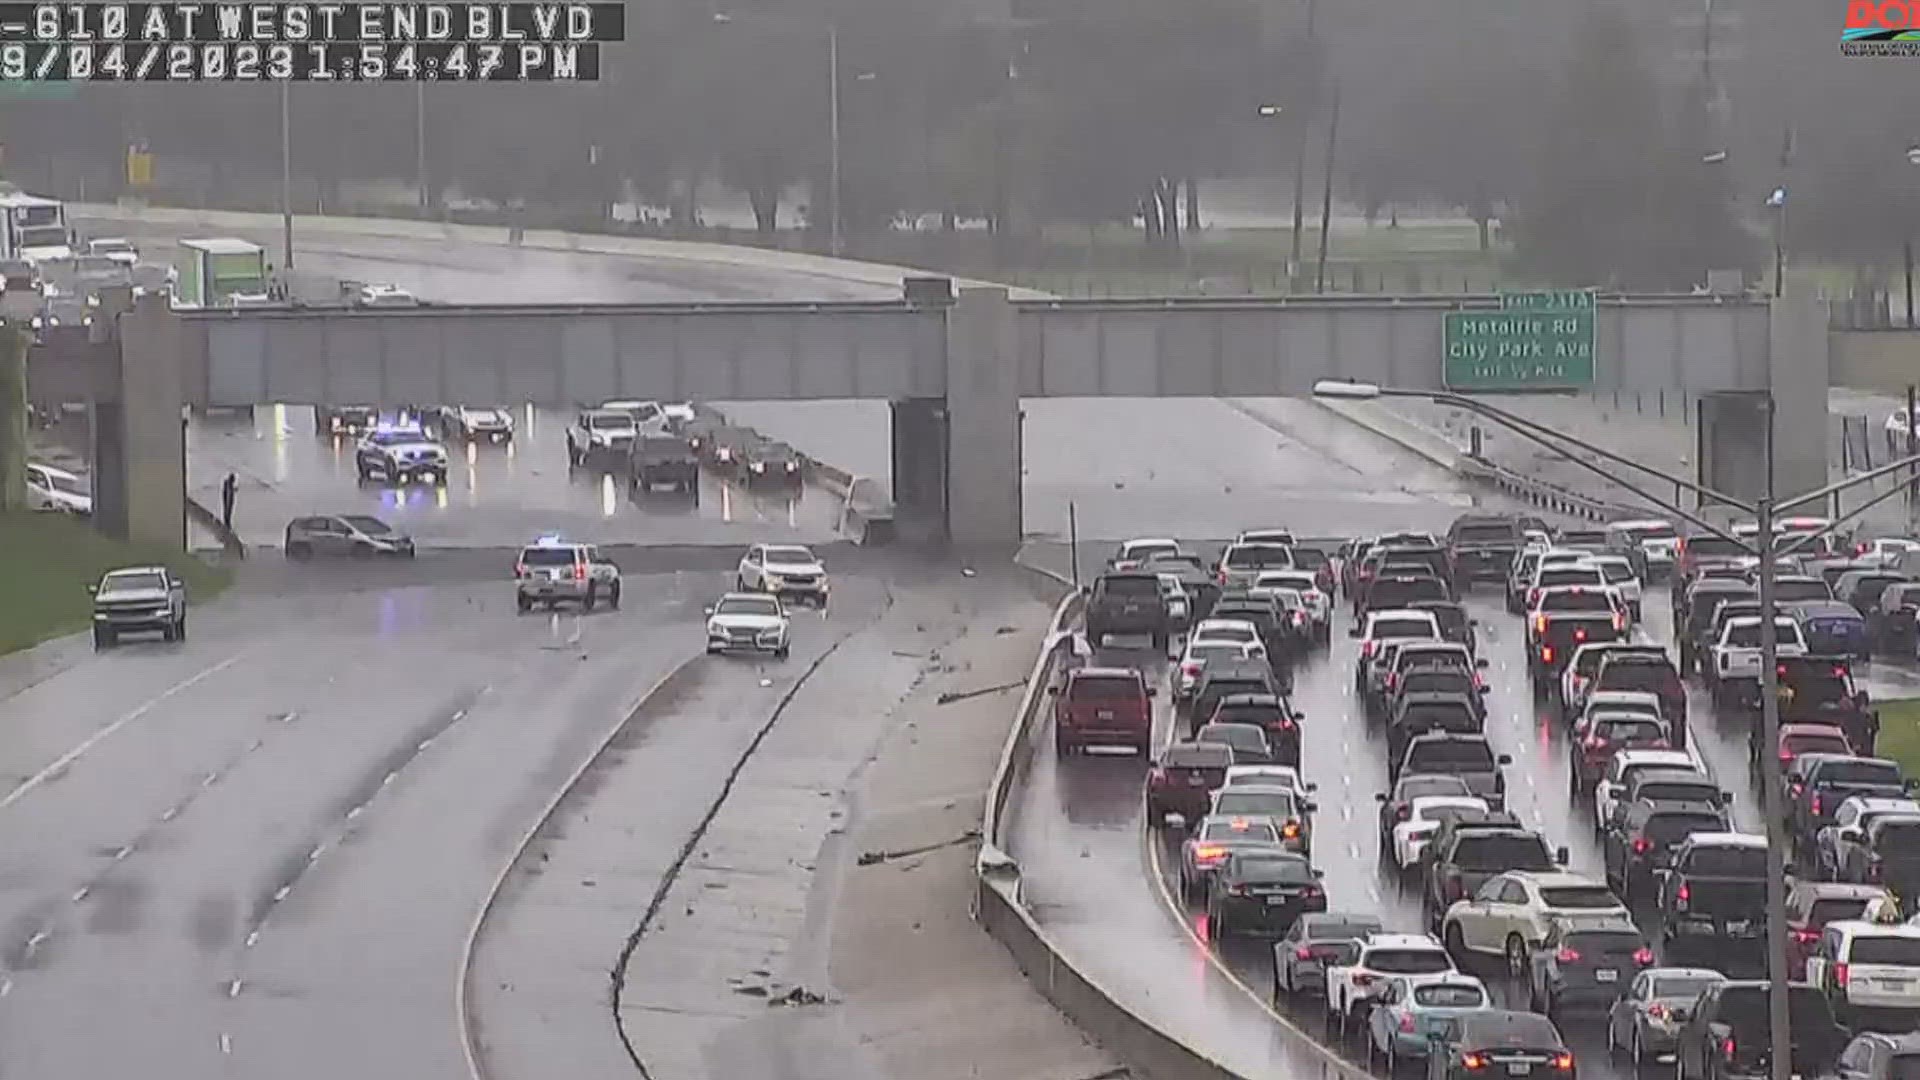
x=1536 y=341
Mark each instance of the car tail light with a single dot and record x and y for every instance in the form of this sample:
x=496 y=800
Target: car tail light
x=1819 y=805
x=1209 y=853
x=1310 y=892
x=1595 y=742
x=1190 y=670
x=519 y=569
x=1403 y=813
x=1533 y=597
x=1641 y=845
x=1619 y=621
x=1658 y=1010
x=579 y=572
x=1303 y=953
x=1840 y=975
x=1579 y=633
x=1299 y=618
x=1473 y=1061
x=1726 y=1047
x=1860 y=549
x=1222 y=576
x=1478 y=682
x=1539 y=624
x=1546 y=654
x=1157 y=776
x=1240 y=890
x=1406 y=1023
x=1685 y=894
x=1839 y=671
x=1367 y=647
x=1806 y=937
x=1291 y=830
x=1786 y=757
x=1363 y=979
x=1563 y=1062
x=1567 y=955
x=1643 y=957
x=1392 y=681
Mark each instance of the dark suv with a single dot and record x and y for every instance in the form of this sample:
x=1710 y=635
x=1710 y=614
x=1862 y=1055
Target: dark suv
x=1481 y=548
x=1100 y=706
x=1128 y=602
x=1726 y=1037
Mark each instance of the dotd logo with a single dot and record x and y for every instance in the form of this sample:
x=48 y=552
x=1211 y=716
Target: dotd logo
x=1881 y=28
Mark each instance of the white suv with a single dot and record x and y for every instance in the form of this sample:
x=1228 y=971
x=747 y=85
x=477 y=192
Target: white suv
x=784 y=570
x=1351 y=987
x=552 y=571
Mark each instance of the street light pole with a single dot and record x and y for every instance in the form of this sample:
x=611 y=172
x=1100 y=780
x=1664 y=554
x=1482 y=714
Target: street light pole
x=286 y=176
x=1326 y=196
x=833 y=137
x=420 y=144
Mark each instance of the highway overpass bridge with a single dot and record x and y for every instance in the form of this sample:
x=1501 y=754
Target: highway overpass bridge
x=955 y=369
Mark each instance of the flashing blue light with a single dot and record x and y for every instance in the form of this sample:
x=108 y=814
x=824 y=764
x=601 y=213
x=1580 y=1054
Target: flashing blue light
x=551 y=540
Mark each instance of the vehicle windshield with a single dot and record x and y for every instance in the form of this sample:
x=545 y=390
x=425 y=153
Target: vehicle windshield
x=1205 y=651
x=1579 y=898
x=133 y=581
x=1795 y=745
x=1502 y=851
x=1402 y=628
x=549 y=556
x=610 y=421
x=1747 y=635
x=1277 y=804
x=1728 y=861
x=1138 y=587
x=372 y=526
x=1452 y=756
x=1895 y=951
x=1619 y=729
x=1414 y=787
x=1408 y=961
x=1258 y=556
x=1239 y=736
x=1437 y=680
x=1197 y=756
x=1787 y=592
x=1714 y=547
x=1864 y=772
x=1395 y=591
x=1677 y=791
x=1228 y=632
x=1642 y=533
x=1307 y=558
x=1450 y=996
x=1570 y=575
x=1105 y=688
x=790 y=556
x=1147 y=549
x=1673 y=828
x=1490 y=532
x=1252 y=832
x=1835 y=910
x=1276 y=871
x=1652 y=678
x=1682 y=987
x=1575 y=601
x=748 y=605
x=1616 y=572
x=59 y=482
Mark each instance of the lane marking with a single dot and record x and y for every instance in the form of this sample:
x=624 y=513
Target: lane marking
x=280 y=893
x=124 y=851
x=6 y=987
x=66 y=760
x=170 y=813
x=81 y=893
x=226 y=1043
x=35 y=941
x=253 y=938
x=1179 y=916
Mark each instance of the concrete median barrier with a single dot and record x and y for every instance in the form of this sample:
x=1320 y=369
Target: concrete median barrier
x=999 y=905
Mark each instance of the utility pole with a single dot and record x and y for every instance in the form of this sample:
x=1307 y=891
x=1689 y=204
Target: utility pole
x=1326 y=194
x=1300 y=159
x=286 y=177
x=833 y=136
x=15 y=340
x=420 y=144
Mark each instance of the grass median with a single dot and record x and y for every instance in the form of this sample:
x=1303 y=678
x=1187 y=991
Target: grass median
x=48 y=560
x=1900 y=733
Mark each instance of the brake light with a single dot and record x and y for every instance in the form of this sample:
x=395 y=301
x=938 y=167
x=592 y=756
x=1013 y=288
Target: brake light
x=1685 y=894
x=1563 y=1062
x=1546 y=654
x=1239 y=890
x=1781 y=671
x=1786 y=756
x=1190 y=669
x=520 y=569
x=1303 y=953
x=1580 y=633
x=1643 y=957
x=1223 y=577
x=1839 y=671
x=1726 y=1047
x=1539 y=624
x=1157 y=775
x=1363 y=979
x=1310 y=891
x=1641 y=845
x=1619 y=621
x=1299 y=618
x=1860 y=549
x=1406 y=1023
x=1291 y=830
x=1392 y=681
x=1478 y=682
x=1840 y=976
x=1533 y=597
x=1209 y=853
x=1367 y=647
x=1567 y=955
x=1473 y=1061
x=579 y=571
x=1658 y=1010
x=1595 y=742
x=1806 y=937
x=1819 y=805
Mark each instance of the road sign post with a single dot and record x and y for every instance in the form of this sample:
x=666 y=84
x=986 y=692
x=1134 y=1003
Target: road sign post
x=1536 y=341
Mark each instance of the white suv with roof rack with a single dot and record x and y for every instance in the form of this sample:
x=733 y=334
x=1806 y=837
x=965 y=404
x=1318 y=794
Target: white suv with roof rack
x=553 y=571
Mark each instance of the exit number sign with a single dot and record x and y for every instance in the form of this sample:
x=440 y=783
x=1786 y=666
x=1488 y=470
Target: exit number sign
x=1536 y=341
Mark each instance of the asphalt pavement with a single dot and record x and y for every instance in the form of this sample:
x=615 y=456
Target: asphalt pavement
x=494 y=496
x=257 y=853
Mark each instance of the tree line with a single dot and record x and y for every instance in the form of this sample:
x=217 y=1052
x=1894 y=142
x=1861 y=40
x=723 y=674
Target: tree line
x=1570 y=137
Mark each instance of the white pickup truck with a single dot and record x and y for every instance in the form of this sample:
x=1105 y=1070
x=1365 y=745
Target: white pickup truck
x=1734 y=675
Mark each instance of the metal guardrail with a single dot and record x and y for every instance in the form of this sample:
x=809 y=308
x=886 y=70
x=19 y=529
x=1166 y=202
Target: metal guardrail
x=1551 y=497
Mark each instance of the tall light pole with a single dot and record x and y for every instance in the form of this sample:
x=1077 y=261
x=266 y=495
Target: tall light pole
x=834 y=237
x=1767 y=548
x=1300 y=162
x=286 y=176
x=1777 y=202
x=420 y=144
x=1906 y=245
x=1326 y=193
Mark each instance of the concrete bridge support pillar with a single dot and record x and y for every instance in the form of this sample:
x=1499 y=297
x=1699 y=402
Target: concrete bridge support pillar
x=1733 y=443
x=140 y=453
x=920 y=468
x=983 y=425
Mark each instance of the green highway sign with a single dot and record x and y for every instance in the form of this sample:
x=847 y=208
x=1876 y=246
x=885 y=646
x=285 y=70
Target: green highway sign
x=1536 y=341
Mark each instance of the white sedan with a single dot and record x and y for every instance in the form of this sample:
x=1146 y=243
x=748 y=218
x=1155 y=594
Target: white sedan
x=1266 y=776
x=1628 y=762
x=1224 y=632
x=1423 y=819
x=750 y=622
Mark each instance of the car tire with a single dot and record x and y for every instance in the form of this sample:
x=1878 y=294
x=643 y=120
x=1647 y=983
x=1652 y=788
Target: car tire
x=523 y=604
x=1515 y=953
x=180 y=629
x=166 y=633
x=103 y=639
x=592 y=599
x=1456 y=943
x=782 y=652
x=299 y=551
x=613 y=597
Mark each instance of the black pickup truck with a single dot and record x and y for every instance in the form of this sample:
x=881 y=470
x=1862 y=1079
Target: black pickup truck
x=663 y=461
x=1713 y=894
